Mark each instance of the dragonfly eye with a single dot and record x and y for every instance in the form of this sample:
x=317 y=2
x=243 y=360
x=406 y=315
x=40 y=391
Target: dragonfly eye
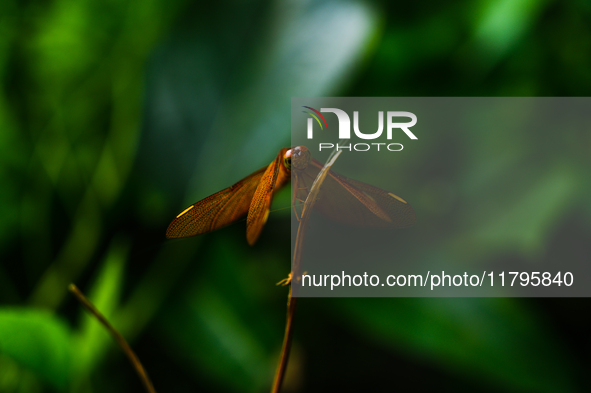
x=287 y=160
x=301 y=157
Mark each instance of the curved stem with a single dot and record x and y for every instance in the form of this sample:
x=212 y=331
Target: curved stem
x=295 y=269
x=135 y=361
x=282 y=366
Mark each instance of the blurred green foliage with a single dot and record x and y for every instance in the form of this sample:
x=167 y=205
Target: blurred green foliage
x=115 y=115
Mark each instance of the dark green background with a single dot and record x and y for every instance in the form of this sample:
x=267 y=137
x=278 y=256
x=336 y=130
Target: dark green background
x=114 y=116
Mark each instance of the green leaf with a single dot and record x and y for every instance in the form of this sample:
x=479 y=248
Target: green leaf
x=221 y=325
x=221 y=344
x=93 y=340
x=37 y=340
x=503 y=24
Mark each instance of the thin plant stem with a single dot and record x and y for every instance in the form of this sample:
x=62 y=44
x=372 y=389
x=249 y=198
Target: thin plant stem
x=135 y=361
x=295 y=270
x=285 y=350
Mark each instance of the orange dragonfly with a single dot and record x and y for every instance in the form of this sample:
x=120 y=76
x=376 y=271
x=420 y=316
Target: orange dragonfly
x=341 y=199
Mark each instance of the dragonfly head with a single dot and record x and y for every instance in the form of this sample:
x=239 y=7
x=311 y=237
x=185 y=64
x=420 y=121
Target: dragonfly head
x=297 y=157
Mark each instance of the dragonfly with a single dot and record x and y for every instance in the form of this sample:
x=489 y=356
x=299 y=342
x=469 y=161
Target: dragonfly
x=341 y=199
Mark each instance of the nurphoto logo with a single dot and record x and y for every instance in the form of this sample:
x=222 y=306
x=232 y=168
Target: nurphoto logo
x=393 y=123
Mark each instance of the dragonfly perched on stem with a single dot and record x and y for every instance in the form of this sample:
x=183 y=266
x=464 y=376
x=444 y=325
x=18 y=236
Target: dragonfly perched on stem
x=342 y=199
x=314 y=185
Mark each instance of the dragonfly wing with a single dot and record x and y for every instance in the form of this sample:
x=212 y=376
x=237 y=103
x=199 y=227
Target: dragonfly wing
x=217 y=210
x=261 y=201
x=356 y=203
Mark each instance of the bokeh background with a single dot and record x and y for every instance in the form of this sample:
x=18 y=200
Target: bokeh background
x=114 y=116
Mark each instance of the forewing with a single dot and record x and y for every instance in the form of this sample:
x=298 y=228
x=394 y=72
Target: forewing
x=355 y=203
x=261 y=201
x=217 y=210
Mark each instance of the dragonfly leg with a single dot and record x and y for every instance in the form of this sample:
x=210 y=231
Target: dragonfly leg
x=285 y=281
